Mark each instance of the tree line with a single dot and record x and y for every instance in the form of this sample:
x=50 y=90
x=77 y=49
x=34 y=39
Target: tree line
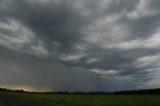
x=155 y=91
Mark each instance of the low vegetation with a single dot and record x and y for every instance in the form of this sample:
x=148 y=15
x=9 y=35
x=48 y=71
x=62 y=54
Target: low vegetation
x=1 y=103
x=94 y=100
x=148 y=97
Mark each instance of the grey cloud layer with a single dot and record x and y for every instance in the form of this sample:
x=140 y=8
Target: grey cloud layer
x=109 y=41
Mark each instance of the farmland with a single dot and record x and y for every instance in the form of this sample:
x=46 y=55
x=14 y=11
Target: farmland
x=94 y=100
x=1 y=102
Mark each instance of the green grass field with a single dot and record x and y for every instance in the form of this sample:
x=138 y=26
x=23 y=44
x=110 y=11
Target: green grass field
x=1 y=103
x=94 y=100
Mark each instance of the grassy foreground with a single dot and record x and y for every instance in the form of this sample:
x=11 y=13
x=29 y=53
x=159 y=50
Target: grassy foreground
x=1 y=103
x=94 y=100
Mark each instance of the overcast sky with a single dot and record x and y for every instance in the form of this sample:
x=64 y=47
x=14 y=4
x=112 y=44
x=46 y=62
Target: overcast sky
x=80 y=45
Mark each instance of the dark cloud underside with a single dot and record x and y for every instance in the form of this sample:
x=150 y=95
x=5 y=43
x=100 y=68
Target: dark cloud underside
x=80 y=45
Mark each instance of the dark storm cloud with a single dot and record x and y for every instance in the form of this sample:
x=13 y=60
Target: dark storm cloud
x=83 y=41
x=55 y=23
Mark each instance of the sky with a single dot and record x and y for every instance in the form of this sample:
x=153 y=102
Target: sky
x=79 y=45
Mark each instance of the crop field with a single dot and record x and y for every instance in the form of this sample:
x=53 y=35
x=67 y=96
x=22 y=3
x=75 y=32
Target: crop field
x=94 y=100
